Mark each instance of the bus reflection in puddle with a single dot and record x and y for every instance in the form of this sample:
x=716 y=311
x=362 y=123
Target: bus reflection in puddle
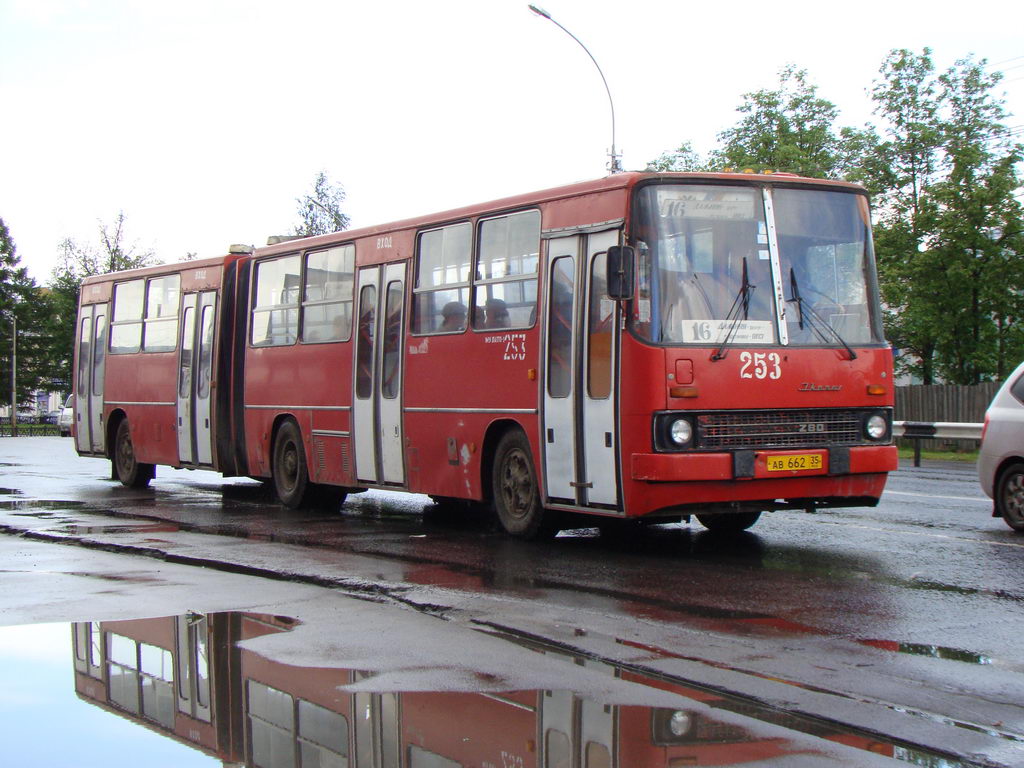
x=193 y=678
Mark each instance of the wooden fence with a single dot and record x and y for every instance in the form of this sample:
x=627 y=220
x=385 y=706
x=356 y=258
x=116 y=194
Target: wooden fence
x=945 y=402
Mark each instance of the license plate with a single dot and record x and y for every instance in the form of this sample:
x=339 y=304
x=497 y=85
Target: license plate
x=795 y=462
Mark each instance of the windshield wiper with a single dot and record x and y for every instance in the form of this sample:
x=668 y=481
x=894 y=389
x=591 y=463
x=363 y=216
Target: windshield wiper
x=807 y=315
x=740 y=304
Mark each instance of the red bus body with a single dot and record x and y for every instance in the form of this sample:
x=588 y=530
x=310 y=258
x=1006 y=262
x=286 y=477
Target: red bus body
x=339 y=363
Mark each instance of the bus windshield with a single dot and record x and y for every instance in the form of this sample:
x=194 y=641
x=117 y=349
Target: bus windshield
x=706 y=260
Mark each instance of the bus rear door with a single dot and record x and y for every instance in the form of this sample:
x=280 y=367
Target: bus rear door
x=581 y=341
x=195 y=374
x=92 y=349
x=377 y=405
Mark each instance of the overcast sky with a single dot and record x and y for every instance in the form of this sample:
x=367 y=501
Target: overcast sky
x=203 y=120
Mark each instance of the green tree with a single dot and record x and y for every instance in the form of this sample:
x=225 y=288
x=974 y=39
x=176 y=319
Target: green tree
x=23 y=304
x=899 y=173
x=75 y=263
x=685 y=158
x=978 y=231
x=948 y=226
x=320 y=211
x=787 y=129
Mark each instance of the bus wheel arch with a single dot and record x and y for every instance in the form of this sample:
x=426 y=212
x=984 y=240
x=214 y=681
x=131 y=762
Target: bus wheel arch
x=126 y=468
x=515 y=489
x=289 y=468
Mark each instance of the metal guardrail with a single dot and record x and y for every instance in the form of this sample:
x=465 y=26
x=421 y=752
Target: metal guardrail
x=949 y=430
x=928 y=430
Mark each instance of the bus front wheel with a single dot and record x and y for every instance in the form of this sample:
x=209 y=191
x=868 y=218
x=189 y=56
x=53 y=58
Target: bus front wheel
x=127 y=469
x=516 y=494
x=291 y=479
x=729 y=522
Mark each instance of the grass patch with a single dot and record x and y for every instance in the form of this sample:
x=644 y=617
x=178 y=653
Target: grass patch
x=968 y=457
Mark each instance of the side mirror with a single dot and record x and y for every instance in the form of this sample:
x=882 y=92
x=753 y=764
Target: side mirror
x=620 y=260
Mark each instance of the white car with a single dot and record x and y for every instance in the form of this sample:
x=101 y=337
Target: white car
x=1001 y=460
x=67 y=417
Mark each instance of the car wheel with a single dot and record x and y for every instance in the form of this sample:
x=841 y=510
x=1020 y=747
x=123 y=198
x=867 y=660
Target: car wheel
x=1010 y=496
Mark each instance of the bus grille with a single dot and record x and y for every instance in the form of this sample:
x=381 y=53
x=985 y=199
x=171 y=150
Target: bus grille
x=770 y=429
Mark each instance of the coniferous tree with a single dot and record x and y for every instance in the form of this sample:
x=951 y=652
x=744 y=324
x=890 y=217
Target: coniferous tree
x=24 y=307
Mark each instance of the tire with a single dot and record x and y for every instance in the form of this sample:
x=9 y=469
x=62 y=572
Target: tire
x=127 y=470
x=729 y=522
x=1010 y=496
x=515 y=489
x=290 y=475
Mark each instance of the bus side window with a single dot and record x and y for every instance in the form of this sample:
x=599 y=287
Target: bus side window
x=327 y=295
x=126 y=328
x=161 y=323
x=275 y=312
x=442 y=280
x=505 y=282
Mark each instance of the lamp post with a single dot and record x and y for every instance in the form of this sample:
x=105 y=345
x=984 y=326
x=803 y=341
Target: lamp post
x=616 y=162
x=14 y=375
x=334 y=216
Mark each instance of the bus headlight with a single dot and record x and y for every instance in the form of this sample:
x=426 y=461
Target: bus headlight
x=680 y=724
x=681 y=432
x=675 y=431
x=876 y=427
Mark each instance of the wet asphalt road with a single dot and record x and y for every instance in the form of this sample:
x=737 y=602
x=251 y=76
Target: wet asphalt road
x=916 y=605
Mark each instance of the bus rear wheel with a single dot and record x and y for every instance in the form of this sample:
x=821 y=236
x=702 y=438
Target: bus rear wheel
x=516 y=493
x=291 y=478
x=127 y=470
x=729 y=522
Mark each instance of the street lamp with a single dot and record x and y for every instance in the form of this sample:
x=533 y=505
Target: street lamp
x=338 y=222
x=616 y=164
x=14 y=375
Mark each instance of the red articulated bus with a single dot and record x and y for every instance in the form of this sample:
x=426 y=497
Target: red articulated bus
x=643 y=346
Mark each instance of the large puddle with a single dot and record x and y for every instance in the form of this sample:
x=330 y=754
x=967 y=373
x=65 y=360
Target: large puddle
x=249 y=689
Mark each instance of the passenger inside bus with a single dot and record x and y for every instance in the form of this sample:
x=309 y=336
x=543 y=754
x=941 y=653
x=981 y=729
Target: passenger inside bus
x=496 y=314
x=453 y=317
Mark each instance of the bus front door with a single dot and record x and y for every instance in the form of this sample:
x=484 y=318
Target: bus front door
x=377 y=404
x=92 y=348
x=195 y=375
x=581 y=343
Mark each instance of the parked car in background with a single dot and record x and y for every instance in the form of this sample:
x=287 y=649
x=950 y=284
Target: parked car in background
x=1001 y=460
x=67 y=417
